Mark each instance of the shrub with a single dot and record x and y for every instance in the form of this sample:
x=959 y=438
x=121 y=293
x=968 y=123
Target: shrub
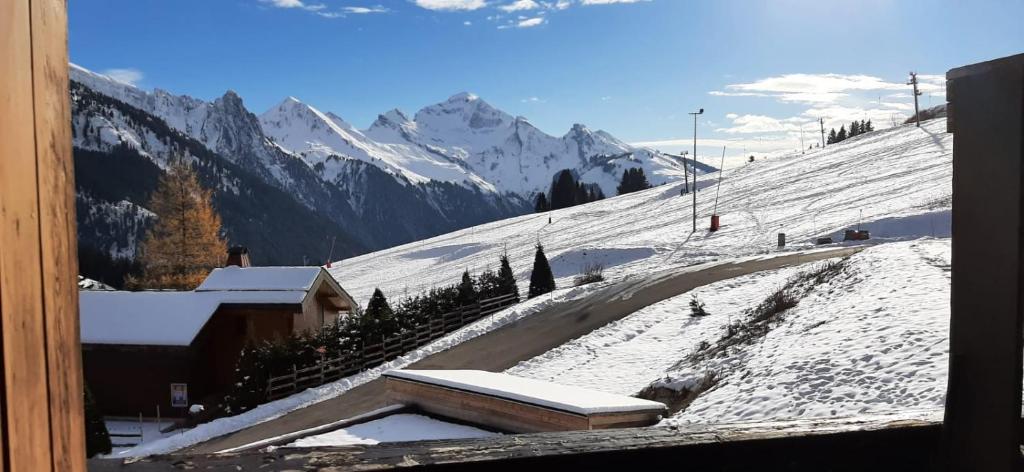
x=697 y=306
x=591 y=273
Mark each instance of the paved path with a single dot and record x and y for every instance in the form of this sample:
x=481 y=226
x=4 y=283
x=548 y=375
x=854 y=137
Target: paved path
x=524 y=339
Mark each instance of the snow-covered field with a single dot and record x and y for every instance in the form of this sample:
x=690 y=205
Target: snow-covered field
x=873 y=340
x=394 y=428
x=898 y=182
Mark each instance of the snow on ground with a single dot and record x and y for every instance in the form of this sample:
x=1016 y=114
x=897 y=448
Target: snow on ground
x=149 y=429
x=394 y=428
x=873 y=340
x=897 y=182
x=625 y=356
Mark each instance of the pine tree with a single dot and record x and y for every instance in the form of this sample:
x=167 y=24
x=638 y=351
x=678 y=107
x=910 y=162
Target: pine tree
x=563 y=190
x=541 y=204
x=854 y=129
x=832 y=136
x=633 y=180
x=507 y=278
x=542 y=280
x=185 y=243
x=869 y=127
x=841 y=135
x=582 y=196
x=97 y=439
x=378 y=321
x=467 y=291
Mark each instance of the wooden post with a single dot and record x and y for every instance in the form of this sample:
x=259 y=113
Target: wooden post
x=983 y=401
x=43 y=416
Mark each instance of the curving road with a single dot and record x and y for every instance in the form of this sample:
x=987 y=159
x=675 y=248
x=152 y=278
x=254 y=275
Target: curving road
x=524 y=339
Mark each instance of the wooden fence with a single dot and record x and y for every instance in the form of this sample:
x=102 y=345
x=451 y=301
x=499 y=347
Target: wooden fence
x=387 y=349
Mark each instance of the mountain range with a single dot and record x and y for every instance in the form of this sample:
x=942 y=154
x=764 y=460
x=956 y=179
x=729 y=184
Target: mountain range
x=299 y=185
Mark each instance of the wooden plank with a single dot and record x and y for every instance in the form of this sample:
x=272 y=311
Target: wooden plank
x=58 y=228
x=27 y=436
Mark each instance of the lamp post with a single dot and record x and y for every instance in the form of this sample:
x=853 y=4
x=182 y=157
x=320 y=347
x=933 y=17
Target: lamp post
x=700 y=112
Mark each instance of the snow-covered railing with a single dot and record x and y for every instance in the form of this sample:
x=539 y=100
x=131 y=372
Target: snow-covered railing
x=372 y=355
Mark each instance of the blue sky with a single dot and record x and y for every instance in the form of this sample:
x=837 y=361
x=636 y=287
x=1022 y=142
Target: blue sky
x=762 y=70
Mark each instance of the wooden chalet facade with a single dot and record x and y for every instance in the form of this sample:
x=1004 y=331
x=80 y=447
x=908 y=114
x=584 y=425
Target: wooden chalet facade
x=136 y=344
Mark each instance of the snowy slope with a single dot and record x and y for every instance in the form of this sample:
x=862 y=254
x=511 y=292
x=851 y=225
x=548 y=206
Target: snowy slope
x=872 y=340
x=896 y=181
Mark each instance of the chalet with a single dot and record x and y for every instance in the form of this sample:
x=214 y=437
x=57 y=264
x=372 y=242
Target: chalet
x=136 y=344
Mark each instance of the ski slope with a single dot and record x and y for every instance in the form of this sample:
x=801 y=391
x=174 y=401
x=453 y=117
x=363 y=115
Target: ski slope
x=896 y=182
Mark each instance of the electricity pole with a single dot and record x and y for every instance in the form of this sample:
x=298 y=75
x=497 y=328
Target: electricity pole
x=821 y=121
x=917 y=93
x=695 y=167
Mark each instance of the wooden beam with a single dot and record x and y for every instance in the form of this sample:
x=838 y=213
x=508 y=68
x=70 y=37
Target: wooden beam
x=41 y=394
x=876 y=443
x=28 y=420
x=983 y=401
x=56 y=177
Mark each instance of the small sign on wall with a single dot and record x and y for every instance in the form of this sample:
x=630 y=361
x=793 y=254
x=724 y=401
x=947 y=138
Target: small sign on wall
x=179 y=395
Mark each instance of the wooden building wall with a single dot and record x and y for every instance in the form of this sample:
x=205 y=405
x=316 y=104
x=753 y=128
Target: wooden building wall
x=41 y=394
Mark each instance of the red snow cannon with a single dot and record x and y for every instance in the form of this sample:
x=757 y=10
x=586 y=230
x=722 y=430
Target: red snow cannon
x=714 y=223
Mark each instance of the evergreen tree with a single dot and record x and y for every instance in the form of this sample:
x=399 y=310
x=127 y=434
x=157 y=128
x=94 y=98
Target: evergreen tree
x=854 y=129
x=563 y=190
x=841 y=135
x=542 y=280
x=97 y=439
x=633 y=180
x=467 y=291
x=507 y=278
x=541 y=204
x=378 y=321
x=185 y=243
x=869 y=127
x=832 y=136
x=596 y=193
x=582 y=195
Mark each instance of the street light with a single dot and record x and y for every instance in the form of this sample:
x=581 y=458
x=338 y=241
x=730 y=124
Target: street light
x=701 y=112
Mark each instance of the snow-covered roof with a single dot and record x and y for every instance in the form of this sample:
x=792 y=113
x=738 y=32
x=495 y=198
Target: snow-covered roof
x=535 y=392
x=161 y=318
x=260 y=278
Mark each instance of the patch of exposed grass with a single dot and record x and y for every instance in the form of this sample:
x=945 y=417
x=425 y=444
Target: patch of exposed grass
x=677 y=395
x=591 y=273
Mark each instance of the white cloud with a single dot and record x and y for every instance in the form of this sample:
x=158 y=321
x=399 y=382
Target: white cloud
x=519 y=5
x=530 y=22
x=451 y=5
x=533 y=100
x=365 y=10
x=467 y=23
x=125 y=76
x=732 y=116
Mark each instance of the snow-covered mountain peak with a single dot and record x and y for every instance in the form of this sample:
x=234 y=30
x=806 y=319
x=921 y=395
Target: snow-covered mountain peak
x=463 y=97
